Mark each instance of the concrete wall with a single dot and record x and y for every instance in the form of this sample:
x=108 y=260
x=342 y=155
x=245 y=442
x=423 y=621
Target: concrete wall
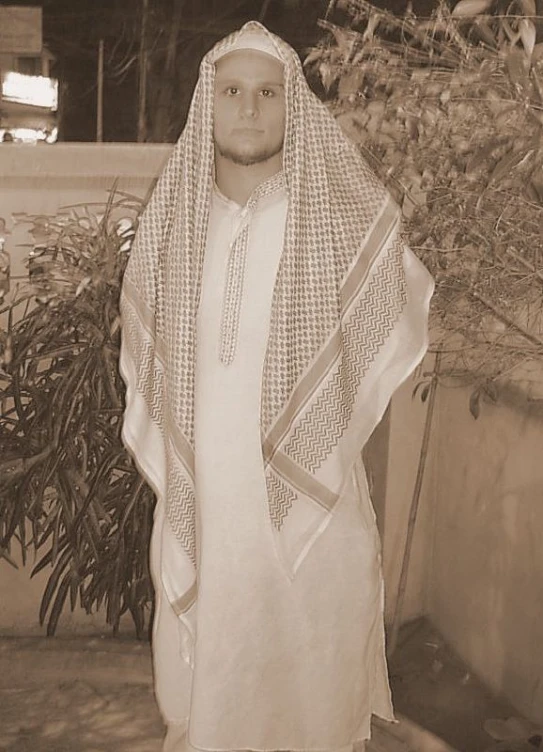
x=45 y=179
x=476 y=568
x=485 y=591
x=20 y=598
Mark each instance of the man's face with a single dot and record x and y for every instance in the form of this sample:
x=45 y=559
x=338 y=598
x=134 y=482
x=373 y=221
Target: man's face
x=249 y=107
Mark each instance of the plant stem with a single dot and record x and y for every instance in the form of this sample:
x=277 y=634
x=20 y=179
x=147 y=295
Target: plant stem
x=402 y=586
x=18 y=401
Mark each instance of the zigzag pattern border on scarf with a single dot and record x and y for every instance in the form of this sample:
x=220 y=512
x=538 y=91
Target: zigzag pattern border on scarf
x=365 y=333
x=181 y=502
x=280 y=499
x=181 y=511
x=150 y=377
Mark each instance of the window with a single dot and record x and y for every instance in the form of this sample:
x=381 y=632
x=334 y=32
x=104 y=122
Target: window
x=30 y=66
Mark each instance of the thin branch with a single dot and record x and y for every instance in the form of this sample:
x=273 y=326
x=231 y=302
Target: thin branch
x=330 y=9
x=264 y=10
x=499 y=314
x=524 y=262
x=413 y=511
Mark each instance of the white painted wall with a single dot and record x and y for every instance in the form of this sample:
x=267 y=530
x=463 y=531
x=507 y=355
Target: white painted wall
x=485 y=590
x=44 y=179
x=20 y=598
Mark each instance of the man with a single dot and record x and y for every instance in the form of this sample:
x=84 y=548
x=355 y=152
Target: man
x=270 y=309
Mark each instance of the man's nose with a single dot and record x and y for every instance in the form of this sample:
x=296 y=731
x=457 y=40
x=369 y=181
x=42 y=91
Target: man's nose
x=249 y=105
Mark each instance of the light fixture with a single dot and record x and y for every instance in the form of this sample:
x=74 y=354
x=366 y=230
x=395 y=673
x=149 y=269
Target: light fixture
x=38 y=91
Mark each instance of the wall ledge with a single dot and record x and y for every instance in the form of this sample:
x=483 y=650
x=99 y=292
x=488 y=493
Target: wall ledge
x=75 y=160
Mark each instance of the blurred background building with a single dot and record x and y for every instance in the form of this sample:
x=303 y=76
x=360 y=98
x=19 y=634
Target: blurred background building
x=29 y=102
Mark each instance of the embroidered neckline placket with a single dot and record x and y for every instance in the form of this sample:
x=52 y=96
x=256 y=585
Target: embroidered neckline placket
x=235 y=271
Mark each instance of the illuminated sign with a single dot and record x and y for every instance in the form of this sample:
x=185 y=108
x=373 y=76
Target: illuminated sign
x=29 y=136
x=38 y=91
x=20 y=30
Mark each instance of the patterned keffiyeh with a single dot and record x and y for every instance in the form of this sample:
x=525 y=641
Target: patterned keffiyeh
x=348 y=325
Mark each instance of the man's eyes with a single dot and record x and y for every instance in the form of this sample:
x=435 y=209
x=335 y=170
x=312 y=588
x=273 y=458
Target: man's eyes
x=233 y=91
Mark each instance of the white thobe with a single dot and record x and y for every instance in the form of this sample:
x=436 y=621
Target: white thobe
x=278 y=664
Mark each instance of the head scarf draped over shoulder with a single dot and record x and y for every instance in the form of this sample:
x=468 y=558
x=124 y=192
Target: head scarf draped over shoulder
x=348 y=325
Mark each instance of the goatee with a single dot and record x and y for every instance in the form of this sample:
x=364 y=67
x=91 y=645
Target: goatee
x=248 y=159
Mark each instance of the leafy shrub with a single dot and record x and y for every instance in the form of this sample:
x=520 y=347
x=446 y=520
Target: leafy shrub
x=449 y=111
x=68 y=488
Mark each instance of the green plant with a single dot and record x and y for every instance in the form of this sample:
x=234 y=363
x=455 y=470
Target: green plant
x=68 y=488
x=449 y=111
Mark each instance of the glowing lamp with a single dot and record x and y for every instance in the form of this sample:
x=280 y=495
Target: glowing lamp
x=38 y=91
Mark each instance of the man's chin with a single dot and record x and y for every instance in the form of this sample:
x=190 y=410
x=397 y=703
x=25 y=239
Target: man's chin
x=248 y=159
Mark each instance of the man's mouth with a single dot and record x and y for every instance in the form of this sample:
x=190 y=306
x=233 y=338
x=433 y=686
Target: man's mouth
x=248 y=131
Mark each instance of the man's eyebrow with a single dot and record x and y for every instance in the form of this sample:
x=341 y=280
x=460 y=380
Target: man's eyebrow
x=236 y=81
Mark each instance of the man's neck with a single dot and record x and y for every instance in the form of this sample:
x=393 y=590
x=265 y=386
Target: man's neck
x=237 y=182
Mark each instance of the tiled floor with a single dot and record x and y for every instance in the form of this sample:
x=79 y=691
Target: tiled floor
x=75 y=716
x=77 y=695
x=96 y=695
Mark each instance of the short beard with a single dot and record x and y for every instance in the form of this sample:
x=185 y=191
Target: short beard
x=247 y=160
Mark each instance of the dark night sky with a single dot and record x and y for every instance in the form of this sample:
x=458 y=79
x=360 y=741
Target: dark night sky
x=72 y=29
